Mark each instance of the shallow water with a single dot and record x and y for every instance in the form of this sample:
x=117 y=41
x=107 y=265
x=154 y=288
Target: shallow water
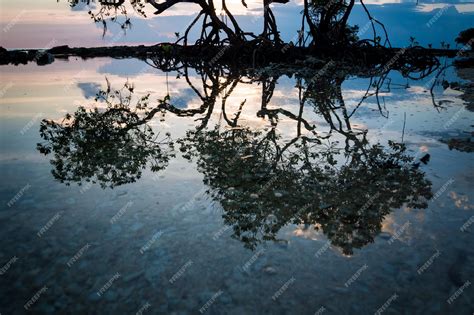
x=169 y=242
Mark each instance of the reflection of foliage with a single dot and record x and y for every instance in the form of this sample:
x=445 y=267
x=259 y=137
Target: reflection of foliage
x=236 y=165
x=363 y=191
x=460 y=144
x=262 y=189
x=262 y=182
x=110 y=147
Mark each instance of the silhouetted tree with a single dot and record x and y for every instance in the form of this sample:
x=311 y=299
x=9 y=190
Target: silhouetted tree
x=327 y=21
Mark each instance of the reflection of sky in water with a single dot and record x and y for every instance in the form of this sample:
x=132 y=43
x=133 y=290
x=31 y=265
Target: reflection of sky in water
x=47 y=23
x=75 y=83
x=159 y=204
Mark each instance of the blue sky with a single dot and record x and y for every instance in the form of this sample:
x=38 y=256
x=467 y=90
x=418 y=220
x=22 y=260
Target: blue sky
x=46 y=23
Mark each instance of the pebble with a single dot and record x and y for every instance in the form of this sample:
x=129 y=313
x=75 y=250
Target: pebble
x=269 y=270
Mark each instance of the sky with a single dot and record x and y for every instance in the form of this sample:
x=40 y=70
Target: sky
x=48 y=23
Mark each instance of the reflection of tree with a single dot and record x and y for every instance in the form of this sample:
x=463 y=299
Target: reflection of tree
x=110 y=147
x=262 y=182
x=363 y=191
x=307 y=185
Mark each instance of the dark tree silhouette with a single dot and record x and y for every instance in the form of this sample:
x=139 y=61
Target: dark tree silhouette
x=326 y=22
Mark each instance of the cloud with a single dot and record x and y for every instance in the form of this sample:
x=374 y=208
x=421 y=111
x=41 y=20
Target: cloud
x=89 y=89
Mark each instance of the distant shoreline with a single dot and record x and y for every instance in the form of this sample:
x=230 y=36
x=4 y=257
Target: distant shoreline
x=243 y=56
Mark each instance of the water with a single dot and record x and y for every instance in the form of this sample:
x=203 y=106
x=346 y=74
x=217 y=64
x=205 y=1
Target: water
x=220 y=228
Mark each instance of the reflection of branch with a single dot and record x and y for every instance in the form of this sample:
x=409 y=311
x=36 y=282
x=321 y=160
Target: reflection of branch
x=301 y=100
x=224 y=100
x=237 y=114
x=440 y=72
x=377 y=85
x=273 y=113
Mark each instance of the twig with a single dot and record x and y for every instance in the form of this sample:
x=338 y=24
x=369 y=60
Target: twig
x=404 y=123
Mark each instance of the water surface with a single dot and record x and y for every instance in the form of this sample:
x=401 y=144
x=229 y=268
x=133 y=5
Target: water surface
x=237 y=222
